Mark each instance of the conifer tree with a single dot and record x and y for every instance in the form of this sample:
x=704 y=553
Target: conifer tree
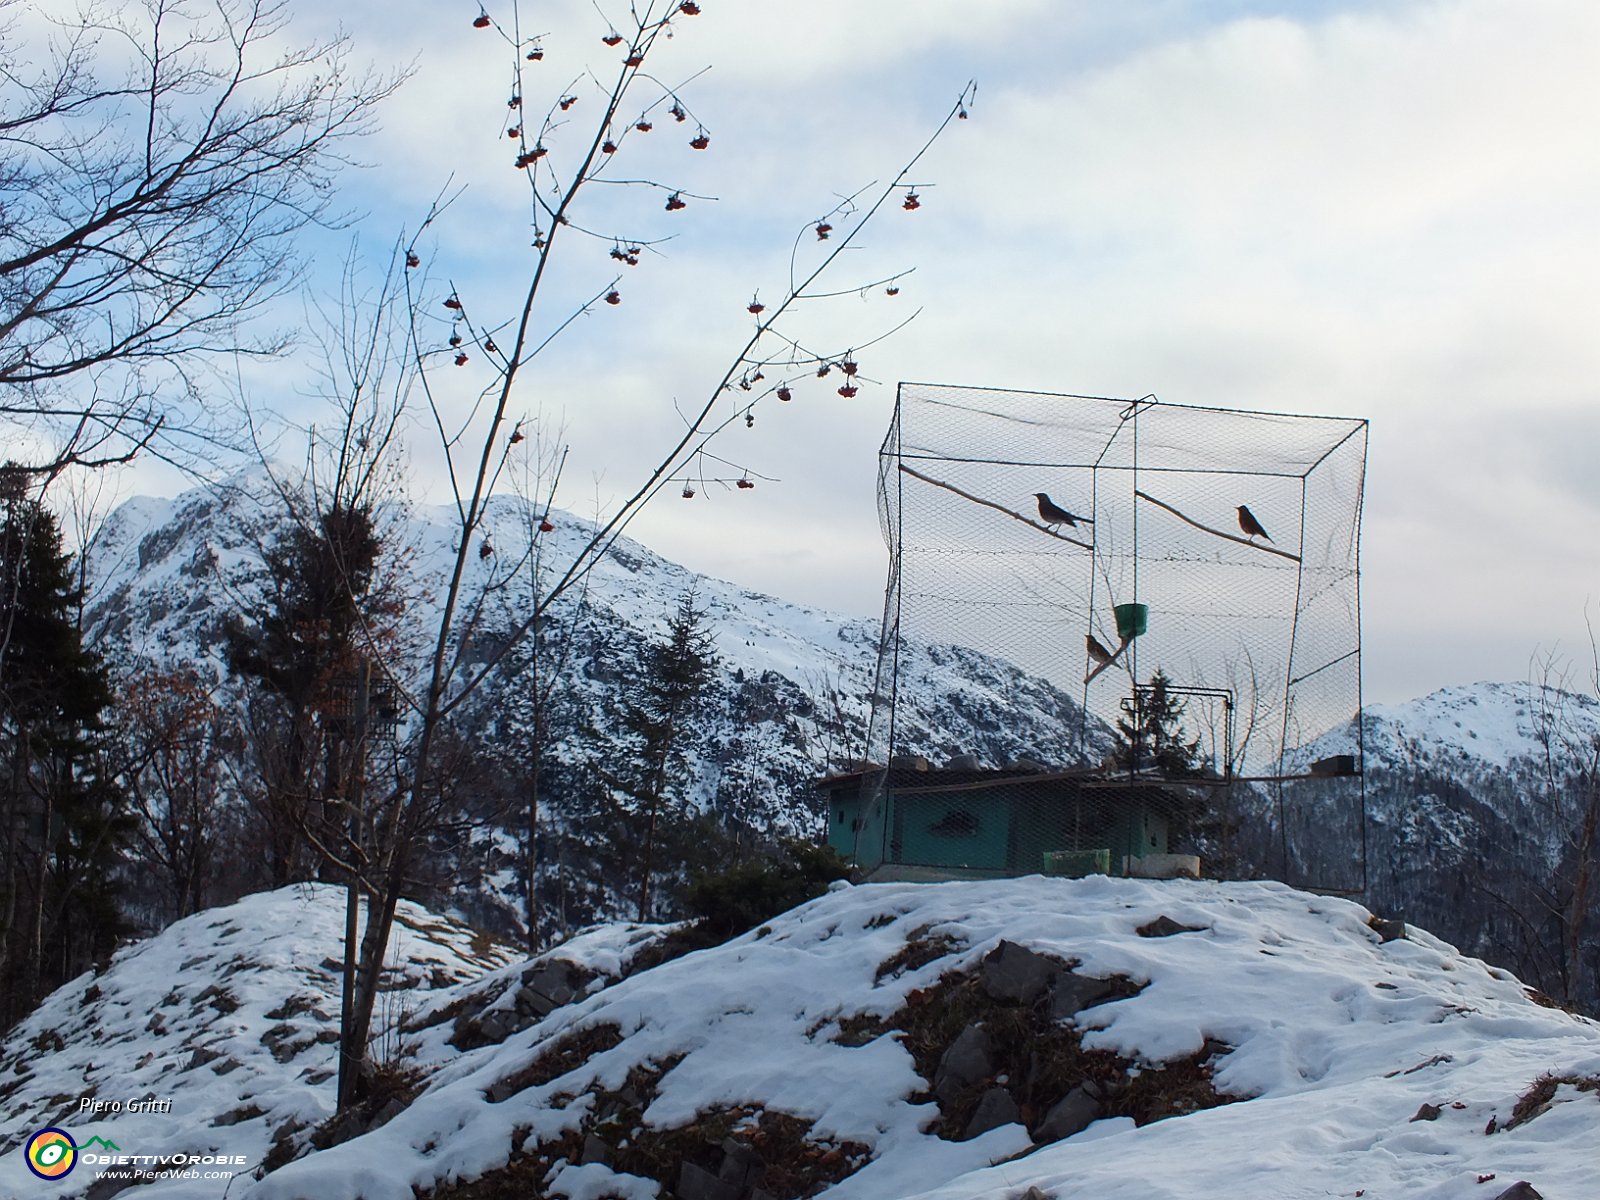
x=1152 y=737
x=665 y=699
x=321 y=572
x=64 y=822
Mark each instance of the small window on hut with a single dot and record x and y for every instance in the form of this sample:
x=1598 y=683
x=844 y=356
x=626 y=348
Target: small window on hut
x=957 y=824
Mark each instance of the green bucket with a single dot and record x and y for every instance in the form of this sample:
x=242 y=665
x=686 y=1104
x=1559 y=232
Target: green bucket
x=1132 y=620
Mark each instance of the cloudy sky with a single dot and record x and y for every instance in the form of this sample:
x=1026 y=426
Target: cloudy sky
x=1382 y=209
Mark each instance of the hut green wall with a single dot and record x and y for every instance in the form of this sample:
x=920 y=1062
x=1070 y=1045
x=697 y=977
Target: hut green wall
x=862 y=842
x=1001 y=830
x=953 y=829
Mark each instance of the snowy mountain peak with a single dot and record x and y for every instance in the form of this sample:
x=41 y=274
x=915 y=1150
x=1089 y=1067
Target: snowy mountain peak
x=1500 y=724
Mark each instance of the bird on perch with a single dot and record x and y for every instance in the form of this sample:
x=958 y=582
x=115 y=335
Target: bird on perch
x=1251 y=526
x=1097 y=650
x=1052 y=513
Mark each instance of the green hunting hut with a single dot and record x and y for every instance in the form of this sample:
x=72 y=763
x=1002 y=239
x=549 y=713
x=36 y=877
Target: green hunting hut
x=912 y=820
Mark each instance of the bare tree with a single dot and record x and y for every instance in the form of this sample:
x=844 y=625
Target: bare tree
x=563 y=164
x=545 y=658
x=157 y=160
x=323 y=654
x=1552 y=895
x=174 y=740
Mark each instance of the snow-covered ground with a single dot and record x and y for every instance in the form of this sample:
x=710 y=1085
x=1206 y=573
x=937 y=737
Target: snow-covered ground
x=1323 y=1040
x=230 y=1015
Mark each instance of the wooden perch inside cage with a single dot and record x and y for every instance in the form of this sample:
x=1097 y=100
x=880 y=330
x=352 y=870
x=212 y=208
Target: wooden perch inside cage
x=1109 y=663
x=1012 y=513
x=1232 y=537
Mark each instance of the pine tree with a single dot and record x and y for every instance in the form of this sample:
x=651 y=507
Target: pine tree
x=322 y=574
x=1152 y=737
x=64 y=820
x=665 y=699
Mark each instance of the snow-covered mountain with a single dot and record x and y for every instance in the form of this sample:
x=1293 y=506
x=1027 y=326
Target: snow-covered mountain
x=1476 y=800
x=166 y=574
x=1466 y=814
x=790 y=699
x=1481 y=727
x=962 y=1041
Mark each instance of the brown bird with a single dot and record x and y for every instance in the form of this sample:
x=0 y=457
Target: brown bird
x=1097 y=650
x=1250 y=525
x=1053 y=514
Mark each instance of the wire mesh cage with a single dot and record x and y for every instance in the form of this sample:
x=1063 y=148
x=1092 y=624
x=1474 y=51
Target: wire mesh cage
x=1188 y=576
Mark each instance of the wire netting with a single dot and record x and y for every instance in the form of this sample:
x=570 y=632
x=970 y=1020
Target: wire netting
x=1100 y=544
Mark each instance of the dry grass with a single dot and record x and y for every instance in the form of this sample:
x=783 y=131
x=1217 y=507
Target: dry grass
x=922 y=947
x=568 y=1053
x=1537 y=1099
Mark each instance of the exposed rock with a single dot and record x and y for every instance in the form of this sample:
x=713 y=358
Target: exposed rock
x=1072 y=1114
x=545 y=987
x=556 y=980
x=496 y=1026
x=1013 y=972
x=1428 y=1112
x=1521 y=1190
x=501 y=1090
x=388 y=1112
x=533 y=1003
x=201 y=1057
x=697 y=1183
x=967 y=1060
x=741 y=1164
x=595 y=1150
x=1386 y=929
x=995 y=1108
x=245 y=1112
x=1165 y=926
x=1071 y=994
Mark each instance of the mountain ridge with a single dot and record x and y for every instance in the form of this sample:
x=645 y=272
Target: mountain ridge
x=1454 y=780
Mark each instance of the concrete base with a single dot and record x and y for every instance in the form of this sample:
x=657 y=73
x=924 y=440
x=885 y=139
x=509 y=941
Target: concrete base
x=1163 y=866
x=903 y=873
x=1149 y=866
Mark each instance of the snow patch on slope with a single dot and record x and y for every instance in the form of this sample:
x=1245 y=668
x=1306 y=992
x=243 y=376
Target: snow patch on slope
x=231 y=1014
x=1336 y=1040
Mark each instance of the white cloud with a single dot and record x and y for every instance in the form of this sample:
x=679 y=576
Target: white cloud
x=1383 y=210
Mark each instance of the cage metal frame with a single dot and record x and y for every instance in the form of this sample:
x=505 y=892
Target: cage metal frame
x=886 y=691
